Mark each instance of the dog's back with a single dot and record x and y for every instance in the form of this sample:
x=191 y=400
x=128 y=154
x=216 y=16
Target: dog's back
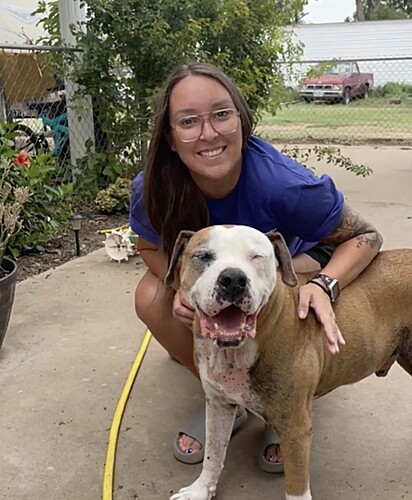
x=374 y=314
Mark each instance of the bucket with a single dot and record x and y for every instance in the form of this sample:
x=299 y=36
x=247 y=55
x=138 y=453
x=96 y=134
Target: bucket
x=7 y=289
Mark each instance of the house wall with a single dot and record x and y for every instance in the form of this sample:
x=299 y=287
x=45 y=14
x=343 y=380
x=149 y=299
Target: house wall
x=370 y=40
x=17 y=25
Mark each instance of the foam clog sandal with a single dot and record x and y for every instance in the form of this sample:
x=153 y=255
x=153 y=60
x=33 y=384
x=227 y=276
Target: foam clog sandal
x=275 y=464
x=196 y=429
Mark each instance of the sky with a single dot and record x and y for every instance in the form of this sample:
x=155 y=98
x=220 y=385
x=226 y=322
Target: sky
x=329 y=11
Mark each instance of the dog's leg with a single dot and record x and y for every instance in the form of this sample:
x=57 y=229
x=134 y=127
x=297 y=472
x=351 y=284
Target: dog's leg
x=405 y=358
x=384 y=370
x=406 y=364
x=295 y=435
x=220 y=417
x=295 y=448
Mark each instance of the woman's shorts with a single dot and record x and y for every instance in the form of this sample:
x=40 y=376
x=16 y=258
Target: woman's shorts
x=321 y=253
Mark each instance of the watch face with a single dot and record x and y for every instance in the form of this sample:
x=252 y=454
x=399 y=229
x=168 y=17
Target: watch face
x=332 y=285
x=334 y=289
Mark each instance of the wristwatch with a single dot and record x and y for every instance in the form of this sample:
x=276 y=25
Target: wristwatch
x=332 y=285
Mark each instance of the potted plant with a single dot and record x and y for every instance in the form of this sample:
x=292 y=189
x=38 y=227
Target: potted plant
x=12 y=199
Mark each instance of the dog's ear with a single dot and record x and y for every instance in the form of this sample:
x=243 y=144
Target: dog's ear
x=284 y=258
x=173 y=271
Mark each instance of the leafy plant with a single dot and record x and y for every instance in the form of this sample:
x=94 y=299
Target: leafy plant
x=326 y=154
x=98 y=171
x=393 y=89
x=114 y=199
x=46 y=211
x=12 y=200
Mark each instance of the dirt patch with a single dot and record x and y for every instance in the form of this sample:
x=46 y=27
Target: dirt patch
x=63 y=248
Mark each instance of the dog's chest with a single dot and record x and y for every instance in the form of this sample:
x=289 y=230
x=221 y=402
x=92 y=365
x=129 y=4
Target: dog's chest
x=225 y=372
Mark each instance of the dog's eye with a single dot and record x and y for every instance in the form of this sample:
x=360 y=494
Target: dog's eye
x=204 y=256
x=257 y=256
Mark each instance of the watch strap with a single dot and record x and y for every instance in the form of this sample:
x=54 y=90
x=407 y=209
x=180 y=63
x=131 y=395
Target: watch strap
x=326 y=290
x=331 y=284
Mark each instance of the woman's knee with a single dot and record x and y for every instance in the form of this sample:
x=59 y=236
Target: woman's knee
x=150 y=297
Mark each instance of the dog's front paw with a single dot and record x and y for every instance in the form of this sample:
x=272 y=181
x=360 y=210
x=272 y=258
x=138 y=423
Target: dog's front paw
x=196 y=491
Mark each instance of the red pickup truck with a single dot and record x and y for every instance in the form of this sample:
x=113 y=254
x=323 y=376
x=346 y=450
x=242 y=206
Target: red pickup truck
x=340 y=83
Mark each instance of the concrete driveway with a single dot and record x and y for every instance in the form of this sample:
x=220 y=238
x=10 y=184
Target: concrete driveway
x=71 y=343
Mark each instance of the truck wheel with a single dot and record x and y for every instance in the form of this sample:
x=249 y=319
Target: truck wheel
x=365 y=94
x=346 y=97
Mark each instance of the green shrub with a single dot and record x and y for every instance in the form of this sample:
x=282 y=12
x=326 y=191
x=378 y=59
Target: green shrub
x=115 y=198
x=393 y=89
x=98 y=171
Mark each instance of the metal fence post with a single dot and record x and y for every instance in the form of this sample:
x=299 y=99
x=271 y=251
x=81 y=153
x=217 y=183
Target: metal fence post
x=79 y=109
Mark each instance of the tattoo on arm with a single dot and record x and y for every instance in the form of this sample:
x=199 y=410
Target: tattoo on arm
x=353 y=225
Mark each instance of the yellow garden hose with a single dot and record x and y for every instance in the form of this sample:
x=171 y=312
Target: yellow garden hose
x=117 y=419
x=105 y=231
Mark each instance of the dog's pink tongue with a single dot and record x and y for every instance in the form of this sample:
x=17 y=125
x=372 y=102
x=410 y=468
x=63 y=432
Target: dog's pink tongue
x=230 y=322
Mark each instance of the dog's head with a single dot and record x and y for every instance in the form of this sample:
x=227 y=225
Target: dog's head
x=228 y=274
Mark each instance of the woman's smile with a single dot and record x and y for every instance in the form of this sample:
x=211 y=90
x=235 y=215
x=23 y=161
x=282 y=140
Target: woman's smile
x=212 y=153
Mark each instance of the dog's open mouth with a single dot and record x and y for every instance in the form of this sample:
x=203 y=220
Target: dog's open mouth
x=229 y=328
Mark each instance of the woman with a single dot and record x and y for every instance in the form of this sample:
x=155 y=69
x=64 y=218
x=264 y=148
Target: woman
x=204 y=167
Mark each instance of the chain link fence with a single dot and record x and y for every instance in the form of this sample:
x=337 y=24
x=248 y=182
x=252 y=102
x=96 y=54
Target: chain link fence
x=38 y=103
x=372 y=106
x=32 y=97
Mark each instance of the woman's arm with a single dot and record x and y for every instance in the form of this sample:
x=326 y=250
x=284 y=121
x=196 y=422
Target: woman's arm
x=157 y=262
x=357 y=244
x=153 y=256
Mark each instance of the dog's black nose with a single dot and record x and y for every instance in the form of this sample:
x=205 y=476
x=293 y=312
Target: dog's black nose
x=232 y=283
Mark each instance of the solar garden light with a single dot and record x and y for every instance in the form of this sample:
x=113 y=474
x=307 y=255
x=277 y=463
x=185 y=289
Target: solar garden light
x=76 y=220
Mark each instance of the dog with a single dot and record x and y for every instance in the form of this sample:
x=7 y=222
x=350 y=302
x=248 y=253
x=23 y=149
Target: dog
x=252 y=350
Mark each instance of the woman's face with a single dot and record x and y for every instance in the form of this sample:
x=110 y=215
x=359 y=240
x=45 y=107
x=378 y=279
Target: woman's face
x=213 y=159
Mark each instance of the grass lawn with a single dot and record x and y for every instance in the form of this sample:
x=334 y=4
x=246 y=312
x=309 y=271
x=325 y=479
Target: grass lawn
x=373 y=119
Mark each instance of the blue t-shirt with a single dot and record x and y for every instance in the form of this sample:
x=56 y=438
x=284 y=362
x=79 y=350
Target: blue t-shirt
x=273 y=192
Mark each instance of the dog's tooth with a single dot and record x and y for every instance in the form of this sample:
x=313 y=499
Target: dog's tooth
x=216 y=326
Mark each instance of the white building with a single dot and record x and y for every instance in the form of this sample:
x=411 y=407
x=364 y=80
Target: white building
x=383 y=48
x=17 y=25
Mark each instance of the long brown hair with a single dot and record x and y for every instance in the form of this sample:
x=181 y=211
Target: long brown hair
x=172 y=199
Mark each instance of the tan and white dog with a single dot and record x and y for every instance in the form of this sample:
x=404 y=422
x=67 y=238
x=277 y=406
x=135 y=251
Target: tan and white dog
x=252 y=350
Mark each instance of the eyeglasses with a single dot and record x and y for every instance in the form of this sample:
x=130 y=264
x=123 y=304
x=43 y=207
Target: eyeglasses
x=223 y=121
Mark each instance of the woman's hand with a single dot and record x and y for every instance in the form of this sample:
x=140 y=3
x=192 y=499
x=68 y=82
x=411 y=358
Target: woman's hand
x=311 y=296
x=182 y=310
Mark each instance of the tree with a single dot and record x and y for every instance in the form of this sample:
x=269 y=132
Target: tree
x=360 y=12
x=131 y=45
x=374 y=10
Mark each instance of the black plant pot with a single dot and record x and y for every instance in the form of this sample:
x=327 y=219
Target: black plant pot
x=7 y=289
